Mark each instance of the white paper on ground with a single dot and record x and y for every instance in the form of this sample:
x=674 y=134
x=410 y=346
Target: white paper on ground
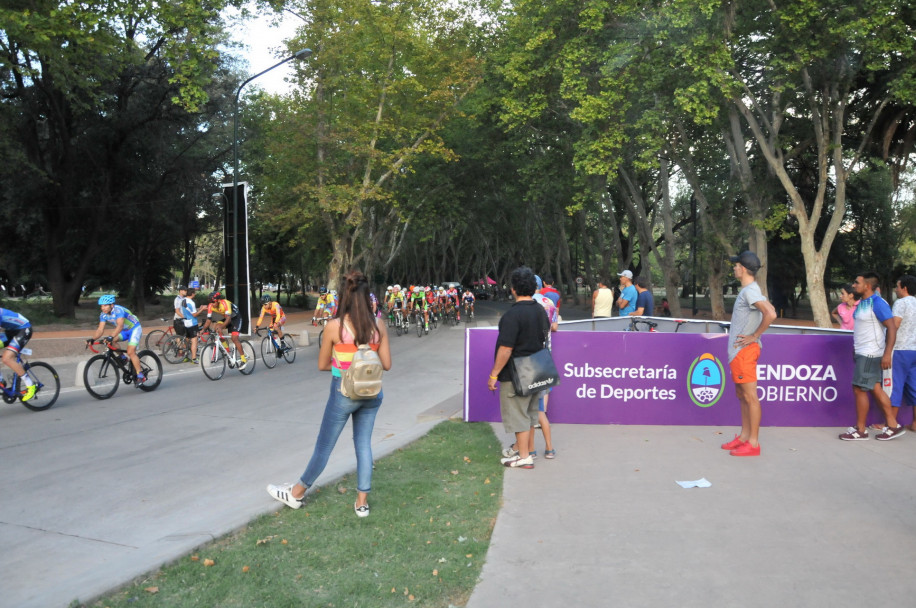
x=699 y=483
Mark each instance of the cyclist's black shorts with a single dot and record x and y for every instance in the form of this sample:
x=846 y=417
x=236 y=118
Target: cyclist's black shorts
x=235 y=324
x=15 y=339
x=191 y=332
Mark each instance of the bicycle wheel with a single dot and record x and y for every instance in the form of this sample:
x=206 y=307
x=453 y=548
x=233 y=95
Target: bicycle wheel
x=250 y=356
x=397 y=325
x=320 y=336
x=269 y=353
x=155 y=339
x=101 y=377
x=419 y=319
x=152 y=369
x=175 y=349
x=290 y=352
x=434 y=320
x=48 y=383
x=212 y=361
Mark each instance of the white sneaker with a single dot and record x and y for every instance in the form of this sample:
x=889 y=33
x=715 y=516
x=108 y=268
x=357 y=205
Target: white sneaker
x=362 y=511
x=517 y=462
x=509 y=452
x=284 y=493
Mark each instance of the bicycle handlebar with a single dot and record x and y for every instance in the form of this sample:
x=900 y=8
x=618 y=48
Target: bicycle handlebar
x=103 y=340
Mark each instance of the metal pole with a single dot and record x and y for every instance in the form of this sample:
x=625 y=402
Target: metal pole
x=235 y=170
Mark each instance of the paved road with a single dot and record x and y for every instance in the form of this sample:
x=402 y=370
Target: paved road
x=98 y=492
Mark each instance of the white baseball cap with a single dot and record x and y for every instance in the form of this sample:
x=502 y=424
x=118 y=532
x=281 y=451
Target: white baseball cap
x=625 y=273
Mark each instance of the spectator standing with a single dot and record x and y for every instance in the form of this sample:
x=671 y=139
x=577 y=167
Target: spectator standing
x=543 y=422
x=751 y=316
x=178 y=305
x=874 y=336
x=191 y=325
x=523 y=331
x=645 y=301
x=626 y=303
x=602 y=300
x=355 y=324
x=903 y=391
x=844 y=311
x=550 y=291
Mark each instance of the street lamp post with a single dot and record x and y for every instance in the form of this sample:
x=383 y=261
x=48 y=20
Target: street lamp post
x=235 y=171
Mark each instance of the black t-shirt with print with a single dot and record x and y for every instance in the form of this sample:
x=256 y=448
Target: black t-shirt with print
x=523 y=328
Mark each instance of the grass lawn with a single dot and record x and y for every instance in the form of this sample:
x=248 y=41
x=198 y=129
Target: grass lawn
x=433 y=503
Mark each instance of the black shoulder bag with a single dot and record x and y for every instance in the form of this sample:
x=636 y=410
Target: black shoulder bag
x=534 y=373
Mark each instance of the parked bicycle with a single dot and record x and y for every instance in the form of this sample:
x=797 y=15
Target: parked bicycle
x=178 y=348
x=635 y=322
x=156 y=339
x=221 y=353
x=105 y=371
x=43 y=376
x=273 y=349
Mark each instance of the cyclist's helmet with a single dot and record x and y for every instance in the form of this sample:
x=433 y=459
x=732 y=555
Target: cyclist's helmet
x=106 y=299
x=322 y=290
x=265 y=299
x=216 y=296
x=397 y=287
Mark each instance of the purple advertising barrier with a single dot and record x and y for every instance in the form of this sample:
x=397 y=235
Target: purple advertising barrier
x=610 y=377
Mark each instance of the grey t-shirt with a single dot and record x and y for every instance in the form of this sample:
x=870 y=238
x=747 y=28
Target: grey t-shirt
x=746 y=317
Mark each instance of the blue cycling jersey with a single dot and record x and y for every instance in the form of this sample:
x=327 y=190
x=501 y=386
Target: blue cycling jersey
x=119 y=312
x=12 y=320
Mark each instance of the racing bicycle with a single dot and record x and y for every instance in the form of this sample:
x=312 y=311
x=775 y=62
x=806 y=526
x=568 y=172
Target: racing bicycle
x=222 y=352
x=105 y=370
x=273 y=349
x=43 y=376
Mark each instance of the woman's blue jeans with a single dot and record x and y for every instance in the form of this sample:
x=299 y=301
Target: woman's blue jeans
x=336 y=413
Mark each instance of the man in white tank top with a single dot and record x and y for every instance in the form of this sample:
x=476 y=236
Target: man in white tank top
x=602 y=300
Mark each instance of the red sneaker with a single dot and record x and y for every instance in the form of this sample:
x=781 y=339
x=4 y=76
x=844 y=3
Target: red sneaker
x=734 y=443
x=746 y=449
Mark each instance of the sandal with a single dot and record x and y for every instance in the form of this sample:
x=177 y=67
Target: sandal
x=550 y=454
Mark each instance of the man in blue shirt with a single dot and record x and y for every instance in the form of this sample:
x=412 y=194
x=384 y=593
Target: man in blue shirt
x=627 y=300
x=645 y=302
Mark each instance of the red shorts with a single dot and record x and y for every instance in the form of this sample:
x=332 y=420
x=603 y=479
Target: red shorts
x=744 y=365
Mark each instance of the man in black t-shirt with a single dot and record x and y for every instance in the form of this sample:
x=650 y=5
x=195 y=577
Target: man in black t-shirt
x=522 y=331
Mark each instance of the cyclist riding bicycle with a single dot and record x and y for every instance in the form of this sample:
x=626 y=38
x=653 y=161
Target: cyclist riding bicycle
x=232 y=318
x=452 y=295
x=468 y=298
x=327 y=304
x=396 y=300
x=127 y=328
x=269 y=307
x=418 y=302
x=431 y=299
x=15 y=332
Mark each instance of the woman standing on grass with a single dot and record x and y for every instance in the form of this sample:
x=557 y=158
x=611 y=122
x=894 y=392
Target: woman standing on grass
x=354 y=316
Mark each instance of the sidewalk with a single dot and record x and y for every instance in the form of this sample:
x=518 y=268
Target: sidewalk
x=814 y=521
